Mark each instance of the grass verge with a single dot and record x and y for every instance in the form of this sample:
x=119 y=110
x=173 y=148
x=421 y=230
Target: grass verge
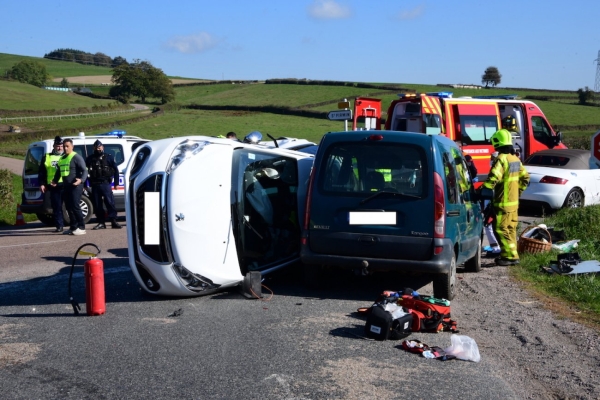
x=573 y=296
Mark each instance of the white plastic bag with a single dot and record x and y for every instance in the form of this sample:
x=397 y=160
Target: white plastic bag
x=396 y=310
x=464 y=348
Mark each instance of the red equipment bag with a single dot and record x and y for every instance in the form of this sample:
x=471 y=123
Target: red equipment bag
x=429 y=313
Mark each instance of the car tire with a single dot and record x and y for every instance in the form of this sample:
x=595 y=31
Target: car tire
x=574 y=199
x=444 y=285
x=474 y=264
x=46 y=219
x=87 y=209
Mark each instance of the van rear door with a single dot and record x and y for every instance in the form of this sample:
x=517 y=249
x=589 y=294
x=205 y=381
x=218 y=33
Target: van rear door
x=371 y=199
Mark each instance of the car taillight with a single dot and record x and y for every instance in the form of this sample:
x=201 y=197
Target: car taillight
x=439 y=208
x=554 y=180
x=376 y=137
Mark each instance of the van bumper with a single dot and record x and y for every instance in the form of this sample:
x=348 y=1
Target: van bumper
x=437 y=264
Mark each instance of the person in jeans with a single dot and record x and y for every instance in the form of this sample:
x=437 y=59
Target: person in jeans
x=72 y=170
x=48 y=168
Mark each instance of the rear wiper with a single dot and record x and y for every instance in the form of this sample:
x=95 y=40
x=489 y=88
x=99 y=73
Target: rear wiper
x=394 y=194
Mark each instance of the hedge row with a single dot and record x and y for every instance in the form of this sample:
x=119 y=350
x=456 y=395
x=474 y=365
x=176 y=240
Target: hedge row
x=65 y=111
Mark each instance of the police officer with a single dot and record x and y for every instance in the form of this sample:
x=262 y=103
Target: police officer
x=103 y=171
x=508 y=179
x=45 y=175
x=72 y=170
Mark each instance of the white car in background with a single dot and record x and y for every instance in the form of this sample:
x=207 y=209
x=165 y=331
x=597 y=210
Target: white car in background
x=562 y=178
x=203 y=212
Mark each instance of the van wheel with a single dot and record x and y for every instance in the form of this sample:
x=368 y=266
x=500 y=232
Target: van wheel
x=86 y=209
x=474 y=264
x=46 y=219
x=313 y=276
x=444 y=285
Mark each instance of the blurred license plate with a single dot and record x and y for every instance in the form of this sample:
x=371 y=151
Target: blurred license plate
x=372 y=218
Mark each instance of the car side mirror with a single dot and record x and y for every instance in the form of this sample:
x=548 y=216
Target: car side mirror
x=557 y=139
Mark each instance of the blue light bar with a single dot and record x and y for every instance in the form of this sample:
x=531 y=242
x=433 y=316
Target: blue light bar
x=442 y=95
x=114 y=133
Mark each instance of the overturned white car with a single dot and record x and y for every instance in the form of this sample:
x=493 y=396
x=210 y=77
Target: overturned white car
x=203 y=212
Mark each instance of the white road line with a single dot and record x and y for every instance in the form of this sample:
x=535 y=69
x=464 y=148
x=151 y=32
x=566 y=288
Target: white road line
x=29 y=244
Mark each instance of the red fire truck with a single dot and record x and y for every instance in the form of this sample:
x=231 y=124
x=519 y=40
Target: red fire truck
x=468 y=120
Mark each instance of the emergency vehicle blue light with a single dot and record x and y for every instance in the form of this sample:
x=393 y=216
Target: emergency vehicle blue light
x=443 y=95
x=115 y=133
x=498 y=96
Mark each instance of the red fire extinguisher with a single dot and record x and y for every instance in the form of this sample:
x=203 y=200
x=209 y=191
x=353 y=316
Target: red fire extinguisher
x=93 y=270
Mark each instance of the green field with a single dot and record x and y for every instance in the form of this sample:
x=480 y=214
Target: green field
x=57 y=69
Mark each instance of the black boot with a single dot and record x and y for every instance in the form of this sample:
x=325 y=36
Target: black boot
x=101 y=225
x=115 y=225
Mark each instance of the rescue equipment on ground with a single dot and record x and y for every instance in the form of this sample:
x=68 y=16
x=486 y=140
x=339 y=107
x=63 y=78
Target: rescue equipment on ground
x=572 y=264
x=412 y=313
x=93 y=270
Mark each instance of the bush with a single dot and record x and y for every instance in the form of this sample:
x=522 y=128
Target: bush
x=6 y=188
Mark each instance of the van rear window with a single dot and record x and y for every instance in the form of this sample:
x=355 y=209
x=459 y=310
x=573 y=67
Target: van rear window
x=362 y=168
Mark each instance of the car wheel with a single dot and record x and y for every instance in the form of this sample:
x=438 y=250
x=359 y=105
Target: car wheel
x=574 y=199
x=474 y=264
x=46 y=219
x=444 y=284
x=87 y=209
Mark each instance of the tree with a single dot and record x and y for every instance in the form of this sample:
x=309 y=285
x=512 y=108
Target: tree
x=491 y=76
x=586 y=96
x=64 y=83
x=31 y=72
x=141 y=79
x=118 y=61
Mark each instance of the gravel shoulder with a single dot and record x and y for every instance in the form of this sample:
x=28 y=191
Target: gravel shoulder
x=544 y=356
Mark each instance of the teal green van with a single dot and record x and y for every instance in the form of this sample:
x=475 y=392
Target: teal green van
x=392 y=201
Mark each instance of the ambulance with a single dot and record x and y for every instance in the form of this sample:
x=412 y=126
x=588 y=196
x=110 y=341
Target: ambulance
x=470 y=121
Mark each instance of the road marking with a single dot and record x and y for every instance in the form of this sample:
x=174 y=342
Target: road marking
x=29 y=244
x=61 y=277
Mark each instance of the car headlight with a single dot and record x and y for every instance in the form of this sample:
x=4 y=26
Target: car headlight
x=184 y=151
x=192 y=281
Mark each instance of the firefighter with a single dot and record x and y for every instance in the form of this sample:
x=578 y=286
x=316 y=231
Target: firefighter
x=508 y=179
x=102 y=171
x=45 y=175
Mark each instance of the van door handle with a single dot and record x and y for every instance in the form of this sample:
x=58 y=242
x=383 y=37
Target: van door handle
x=453 y=213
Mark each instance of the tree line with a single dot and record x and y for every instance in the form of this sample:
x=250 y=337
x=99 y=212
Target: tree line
x=84 y=57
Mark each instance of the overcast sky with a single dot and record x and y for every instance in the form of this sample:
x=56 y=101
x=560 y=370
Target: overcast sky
x=545 y=44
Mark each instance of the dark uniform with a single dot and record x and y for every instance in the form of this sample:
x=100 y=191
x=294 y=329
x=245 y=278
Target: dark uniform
x=72 y=170
x=103 y=171
x=48 y=168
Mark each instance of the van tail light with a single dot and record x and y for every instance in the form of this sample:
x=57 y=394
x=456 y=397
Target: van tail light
x=553 y=179
x=439 y=228
x=304 y=238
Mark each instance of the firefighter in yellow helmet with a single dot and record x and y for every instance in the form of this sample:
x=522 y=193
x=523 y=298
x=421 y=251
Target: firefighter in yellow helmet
x=508 y=179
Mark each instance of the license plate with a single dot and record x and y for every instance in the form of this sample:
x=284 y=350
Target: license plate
x=372 y=218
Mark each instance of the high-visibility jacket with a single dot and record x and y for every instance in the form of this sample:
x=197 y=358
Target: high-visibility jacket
x=64 y=164
x=51 y=164
x=508 y=178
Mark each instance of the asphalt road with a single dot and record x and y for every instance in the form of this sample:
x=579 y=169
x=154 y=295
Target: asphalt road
x=298 y=343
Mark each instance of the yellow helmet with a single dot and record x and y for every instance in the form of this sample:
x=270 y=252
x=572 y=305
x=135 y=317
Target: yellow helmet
x=509 y=122
x=501 y=138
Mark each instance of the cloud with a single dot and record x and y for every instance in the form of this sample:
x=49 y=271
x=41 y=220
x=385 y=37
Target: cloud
x=410 y=14
x=192 y=44
x=328 y=9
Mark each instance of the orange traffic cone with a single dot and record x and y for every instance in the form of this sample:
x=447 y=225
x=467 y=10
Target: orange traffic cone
x=20 y=220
